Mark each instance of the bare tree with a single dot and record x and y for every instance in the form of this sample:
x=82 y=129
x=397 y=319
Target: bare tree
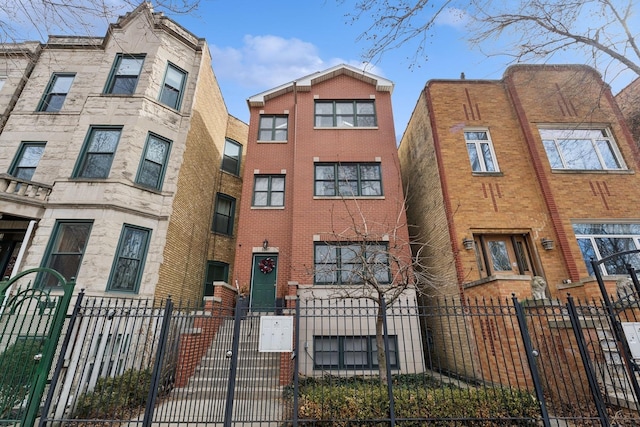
x=372 y=260
x=22 y=20
x=603 y=30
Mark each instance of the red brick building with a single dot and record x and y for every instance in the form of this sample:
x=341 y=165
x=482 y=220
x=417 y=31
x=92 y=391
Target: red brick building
x=322 y=190
x=531 y=175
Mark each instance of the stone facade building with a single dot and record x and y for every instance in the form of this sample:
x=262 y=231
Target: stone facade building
x=114 y=152
x=521 y=177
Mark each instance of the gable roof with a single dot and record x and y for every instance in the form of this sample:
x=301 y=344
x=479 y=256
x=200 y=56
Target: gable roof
x=304 y=84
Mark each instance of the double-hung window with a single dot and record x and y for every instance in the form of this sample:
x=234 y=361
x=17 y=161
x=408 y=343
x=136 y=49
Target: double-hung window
x=231 y=157
x=480 y=149
x=581 y=149
x=268 y=190
x=345 y=263
x=97 y=153
x=27 y=159
x=124 y=74
x=56 y=92
x=348 y=179
x=129 y=261
x=345 y=114
x=224 y=214
x=154 y=162
x=273 y=128
x=598 y=241
x=351 y=352
x=173 y=87
x=65 y=250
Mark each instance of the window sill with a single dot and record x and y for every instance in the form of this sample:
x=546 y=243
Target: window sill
x=495 y=277
x=345 y=127
x=595 y=171
x=267 y=207
x=235 y=175
x=268 y=141
x=348 y=197
x=487 y=174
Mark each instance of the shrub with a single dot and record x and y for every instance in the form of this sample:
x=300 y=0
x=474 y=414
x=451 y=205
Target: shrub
x=115 y=397
x=347 y=400
x=17 y=366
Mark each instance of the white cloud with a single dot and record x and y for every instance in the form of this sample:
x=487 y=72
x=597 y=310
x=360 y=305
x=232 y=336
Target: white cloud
x=267 y=61
x=453 y=17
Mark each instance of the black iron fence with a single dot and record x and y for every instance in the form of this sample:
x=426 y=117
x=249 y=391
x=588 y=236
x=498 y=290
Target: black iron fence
x=346 y=362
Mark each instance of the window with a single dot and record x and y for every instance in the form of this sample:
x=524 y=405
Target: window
x=129 y=262
x=268 y=190
x=331 y=114
x=351 y=352
x=348 y=179
x=27 y=159
x=599 y=241
x=173 y=87
x=56 y=92
x=231 y=157
x=65 y=250
x=504 y=254
x=216 y=272
x=581 y=149
x=273 y=128
x=480 y=150
x=97 y=153
x=154 y=162
x=223 y=216
x=348 y=263
x=124 y=74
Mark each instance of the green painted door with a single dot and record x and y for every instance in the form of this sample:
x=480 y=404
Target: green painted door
x=263 y=282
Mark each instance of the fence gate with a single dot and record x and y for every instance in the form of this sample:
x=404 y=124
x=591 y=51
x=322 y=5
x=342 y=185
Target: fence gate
x=31 y=321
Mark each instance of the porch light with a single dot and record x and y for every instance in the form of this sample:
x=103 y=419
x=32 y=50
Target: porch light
x=265 y=244
x=547 y=243
x=467 y=243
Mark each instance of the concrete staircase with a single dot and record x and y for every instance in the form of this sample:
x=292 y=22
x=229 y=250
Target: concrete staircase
x=257 y=395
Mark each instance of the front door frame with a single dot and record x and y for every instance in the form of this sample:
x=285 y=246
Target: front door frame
x=256 y=303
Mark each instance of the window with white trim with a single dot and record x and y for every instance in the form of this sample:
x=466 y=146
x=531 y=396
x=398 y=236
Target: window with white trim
x=599 y=241
x=480 y=149
x=581 y=149
x=351 y=352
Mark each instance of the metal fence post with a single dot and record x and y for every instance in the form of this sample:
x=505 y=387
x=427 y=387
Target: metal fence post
x=526 y=339
x=296 y=364
x=591 y=378
x=157 y=366
x=392 y=409
x=60 y=362
x=228 y=409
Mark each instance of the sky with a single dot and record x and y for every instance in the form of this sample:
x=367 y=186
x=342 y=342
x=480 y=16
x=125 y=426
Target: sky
x=258 y=45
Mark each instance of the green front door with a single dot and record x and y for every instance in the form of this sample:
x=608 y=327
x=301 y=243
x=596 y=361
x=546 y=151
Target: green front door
x=263 y=282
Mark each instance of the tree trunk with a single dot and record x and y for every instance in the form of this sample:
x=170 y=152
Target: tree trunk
x=382 y=358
